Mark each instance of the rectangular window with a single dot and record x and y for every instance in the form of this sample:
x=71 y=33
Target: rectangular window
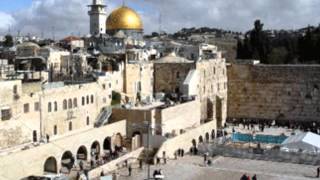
x=6 y=114
x=36 y=106
x=26 y=108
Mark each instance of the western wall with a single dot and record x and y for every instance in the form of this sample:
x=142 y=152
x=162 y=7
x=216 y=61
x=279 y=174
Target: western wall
x=274 y=92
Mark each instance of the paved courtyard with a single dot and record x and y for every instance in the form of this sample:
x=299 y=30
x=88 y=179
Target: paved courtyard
x=223 y=168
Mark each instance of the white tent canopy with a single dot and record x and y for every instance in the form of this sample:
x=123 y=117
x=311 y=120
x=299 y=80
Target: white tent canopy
x=305 y=142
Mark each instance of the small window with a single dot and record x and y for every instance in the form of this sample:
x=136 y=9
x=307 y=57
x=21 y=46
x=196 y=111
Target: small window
x=103 y=86
x=55 y=130
x=36 y=106
x=65 y=104
x=70 y=103
x=6 y=114
x=55 y=106
x=88 y=100
x=88 y=121
x=70 y=126
x=83 y=101
x=75 y=102
x=110 y=85
x=49 y=107
x=92 y=99
x=104 y=100
x=15 y=89
x=214 y=70
x=26 y=108
x=178 y=75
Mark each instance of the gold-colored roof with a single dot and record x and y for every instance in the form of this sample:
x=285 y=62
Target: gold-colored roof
x=124 y=18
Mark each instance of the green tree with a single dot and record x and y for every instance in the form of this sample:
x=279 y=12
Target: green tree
x=8 y=42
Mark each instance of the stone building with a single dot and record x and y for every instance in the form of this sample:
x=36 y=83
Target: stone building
x=173 y=75
x=30 y=111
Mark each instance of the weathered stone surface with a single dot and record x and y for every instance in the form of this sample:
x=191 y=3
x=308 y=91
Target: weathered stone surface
x=288 y=92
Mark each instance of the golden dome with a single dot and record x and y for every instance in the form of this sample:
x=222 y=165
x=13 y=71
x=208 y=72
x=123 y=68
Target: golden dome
x=124 y=18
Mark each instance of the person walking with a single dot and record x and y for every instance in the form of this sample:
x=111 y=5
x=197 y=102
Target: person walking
x=254 y=177
x=205 y=157
x=318 y=172
x=140 y=164
x=129 y=170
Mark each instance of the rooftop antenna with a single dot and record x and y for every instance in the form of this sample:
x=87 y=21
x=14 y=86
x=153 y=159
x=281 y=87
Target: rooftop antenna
x=160 y=22
x=53 y=33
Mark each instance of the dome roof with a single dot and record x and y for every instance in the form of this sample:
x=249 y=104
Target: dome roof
x=124 y=18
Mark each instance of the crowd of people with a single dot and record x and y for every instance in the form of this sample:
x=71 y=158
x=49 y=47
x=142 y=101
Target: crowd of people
x=289 y=124
x=246 y=177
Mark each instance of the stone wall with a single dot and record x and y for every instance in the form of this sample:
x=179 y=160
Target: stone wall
x=184 y=141
x=180 y=117
x=283 y=92
x=23 y=163
x=169 y=77
x=135 y=74
x=172 y=119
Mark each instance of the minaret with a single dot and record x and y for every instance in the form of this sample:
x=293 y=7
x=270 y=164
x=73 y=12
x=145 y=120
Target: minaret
x=98 y=17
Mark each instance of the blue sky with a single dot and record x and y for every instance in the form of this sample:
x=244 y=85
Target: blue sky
x=70 y=16
x=13 y=5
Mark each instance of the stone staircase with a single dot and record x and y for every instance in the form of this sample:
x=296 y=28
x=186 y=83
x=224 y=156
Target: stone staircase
x=103 y=117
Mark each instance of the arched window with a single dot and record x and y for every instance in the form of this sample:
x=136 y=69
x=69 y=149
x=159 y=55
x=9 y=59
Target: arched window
x=92 y=99
x=70 y=126
x=55 y=106
x=55 y=130
x=65 y=104
x=70 y=103
x=83 y=101
x=75 y=102
x=49 y=107
x=15 y=89
x=88 y=121
x=88 y=100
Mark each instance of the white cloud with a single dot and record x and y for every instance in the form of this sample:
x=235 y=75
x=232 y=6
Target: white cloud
x=70 y=16
x=6 y=21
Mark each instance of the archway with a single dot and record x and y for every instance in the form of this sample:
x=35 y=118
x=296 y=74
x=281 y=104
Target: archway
x=213 y=134
x=107 y=143
x=207 y=137
x=67 y=160
x=118 y=141
x=194 y=143
x=200 y=139
x=95 y=148
x=136 y=140
x=82 y=153
x=50 y=165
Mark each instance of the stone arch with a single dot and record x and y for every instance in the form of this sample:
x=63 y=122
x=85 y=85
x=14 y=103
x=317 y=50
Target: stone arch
x=136 y=140
x=50 y=165
x=213 y=134
x=95 y=148
x=67 y=160
x=207 y=136
x=194 y=143
x=200 y=139
x=118 y=142
x=107 y=144
x=136 y=133
x=82 y=153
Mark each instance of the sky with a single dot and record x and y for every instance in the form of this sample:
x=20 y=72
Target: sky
x=60 y=18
